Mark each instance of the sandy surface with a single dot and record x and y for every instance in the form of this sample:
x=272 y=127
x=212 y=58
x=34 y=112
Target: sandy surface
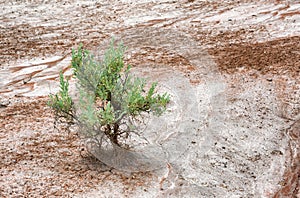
x=233 y=68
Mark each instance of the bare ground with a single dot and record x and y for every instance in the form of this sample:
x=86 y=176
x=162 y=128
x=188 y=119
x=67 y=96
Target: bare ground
x=250 y=41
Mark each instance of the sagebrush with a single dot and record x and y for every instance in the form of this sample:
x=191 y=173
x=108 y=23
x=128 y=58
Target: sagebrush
x=111 y=99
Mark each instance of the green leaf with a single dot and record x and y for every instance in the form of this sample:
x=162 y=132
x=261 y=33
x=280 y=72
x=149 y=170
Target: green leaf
x=61 y=101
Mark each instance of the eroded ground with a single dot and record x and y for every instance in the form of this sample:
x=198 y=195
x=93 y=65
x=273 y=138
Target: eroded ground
x=233 y=68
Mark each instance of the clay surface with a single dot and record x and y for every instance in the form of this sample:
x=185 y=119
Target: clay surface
x=231 y=67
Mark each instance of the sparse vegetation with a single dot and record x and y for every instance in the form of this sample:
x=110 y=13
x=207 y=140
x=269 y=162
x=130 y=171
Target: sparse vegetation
x=111 y=99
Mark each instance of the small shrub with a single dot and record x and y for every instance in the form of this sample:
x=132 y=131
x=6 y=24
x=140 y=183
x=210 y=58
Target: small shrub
x=111 y=98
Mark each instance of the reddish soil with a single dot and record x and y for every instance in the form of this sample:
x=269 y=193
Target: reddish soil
x=45 y=161
x=41 y=161
x=278 y=57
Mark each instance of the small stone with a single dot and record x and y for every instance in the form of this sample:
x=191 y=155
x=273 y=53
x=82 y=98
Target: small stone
x=269 y=79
